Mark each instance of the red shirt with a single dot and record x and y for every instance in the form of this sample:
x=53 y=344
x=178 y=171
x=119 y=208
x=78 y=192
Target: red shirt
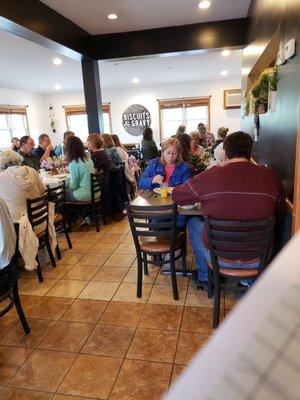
x=238 y=191
x=169 y=169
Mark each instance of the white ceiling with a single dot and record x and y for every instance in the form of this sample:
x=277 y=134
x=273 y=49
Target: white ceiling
x=91 y=15
x=27 y=66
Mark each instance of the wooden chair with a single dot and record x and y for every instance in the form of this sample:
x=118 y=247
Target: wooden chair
x=95 y=205
x=155 y=233
x=56 y=195
x=37 y=212
x=244 y=241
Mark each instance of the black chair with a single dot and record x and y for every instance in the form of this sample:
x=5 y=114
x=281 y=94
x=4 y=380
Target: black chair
x=38 y=213
x=56 y=195
x=247 y=241
x=155 y=233
x=95 y=206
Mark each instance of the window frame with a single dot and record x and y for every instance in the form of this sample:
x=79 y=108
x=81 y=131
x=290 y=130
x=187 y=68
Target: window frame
x=13 y=109
x=181 y=102
x=81 y=109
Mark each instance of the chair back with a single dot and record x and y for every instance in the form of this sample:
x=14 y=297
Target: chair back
x=56 y=195
x=37 y=212
x=153 y=221
x=240 y=240
x=97 y=185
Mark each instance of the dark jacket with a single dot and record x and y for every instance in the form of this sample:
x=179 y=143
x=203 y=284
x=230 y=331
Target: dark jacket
x=30 y=160
x=181 y=174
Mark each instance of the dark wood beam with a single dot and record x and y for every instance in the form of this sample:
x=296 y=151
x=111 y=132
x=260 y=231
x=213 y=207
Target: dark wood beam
x=39 y=23
x=92 y=94
x=209 y=35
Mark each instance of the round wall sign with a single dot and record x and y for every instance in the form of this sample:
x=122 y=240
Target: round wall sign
x=135 y=119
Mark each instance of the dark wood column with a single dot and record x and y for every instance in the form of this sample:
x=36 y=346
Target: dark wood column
x=92 y=94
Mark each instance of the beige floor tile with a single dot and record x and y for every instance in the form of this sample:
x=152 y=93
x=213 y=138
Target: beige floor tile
x=198 y=298
x=166 y=280
x=153 y=345
x=110 y=274
x=163 y=294
x=161 y=316
x=6 y=323
x=67 y=288
x=91 y=376
x=38 y=330
x=231 y=300
x=82 y=272
x=197 y=319
x=104 y=248
x=56 y=273
x=82 y=246
x=120 y=260
x=99 y=290
x=34 y=287
x=70 y=258
x=188 y=346
x=127 y=292
x=122 y=314
x=27 y=302
x=11 y=359
x=116 y=230
x=21 y=394
x=177 y=370
x=67 y=397
x=111 y=239
x=66 y=336
x=88 y=311
x=128 y=239
x=150 y=278
x=90 y=238
x=109 y=341
x=142 y=380
x=44 y=370
x=125 y=248
x=50 y=308
x=93 y=259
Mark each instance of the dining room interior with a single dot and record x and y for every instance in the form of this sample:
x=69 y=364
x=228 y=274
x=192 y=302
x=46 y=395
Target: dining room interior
x=109 y=298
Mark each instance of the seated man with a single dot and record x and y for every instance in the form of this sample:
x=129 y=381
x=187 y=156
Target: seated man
x=8 y=274
x=60 y=150
x=44 y=149
x=26 y=149
x=240 y=190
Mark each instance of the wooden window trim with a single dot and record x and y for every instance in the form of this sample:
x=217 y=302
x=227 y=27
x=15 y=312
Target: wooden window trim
x=81 y=109
x=11 y=109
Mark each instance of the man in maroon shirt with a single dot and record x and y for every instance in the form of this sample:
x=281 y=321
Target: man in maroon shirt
x=240 y=190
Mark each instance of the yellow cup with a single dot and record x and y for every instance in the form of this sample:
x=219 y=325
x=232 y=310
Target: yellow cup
x=163 y=192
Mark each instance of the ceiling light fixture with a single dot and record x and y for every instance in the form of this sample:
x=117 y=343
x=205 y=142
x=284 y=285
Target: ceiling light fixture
x=57 y=86
x=135 y=81
x=112 y=16
x=57 y=61
x=224 y=73
x=204 y=4
x=225 y=53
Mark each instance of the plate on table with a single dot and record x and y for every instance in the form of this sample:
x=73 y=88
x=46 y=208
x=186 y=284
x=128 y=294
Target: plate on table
x=189 y=206
x=169 y=190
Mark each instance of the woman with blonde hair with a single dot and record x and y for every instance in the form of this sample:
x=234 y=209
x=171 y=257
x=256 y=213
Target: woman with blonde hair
x=120 y=149
x=196 y=147
x=169 y=169
x=109 y=146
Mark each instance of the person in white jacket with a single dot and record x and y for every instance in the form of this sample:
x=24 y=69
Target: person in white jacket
x=18 y=183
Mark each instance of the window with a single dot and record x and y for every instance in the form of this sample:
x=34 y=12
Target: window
x=77 y=120
x=13 y=122
x=187 y=111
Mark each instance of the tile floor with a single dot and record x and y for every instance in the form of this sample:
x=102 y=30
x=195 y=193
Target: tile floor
x=91 y=337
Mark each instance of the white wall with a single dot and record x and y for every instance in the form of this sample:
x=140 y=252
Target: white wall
x=38 y=106
x=147 y=96
x=35 y=111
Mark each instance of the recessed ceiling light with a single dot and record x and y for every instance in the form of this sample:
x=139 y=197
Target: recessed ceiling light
x=224 y=73
x=135 y=80
x=204 y=4
x=225 y=53
x=112 y=16
x=57 y=61
x=57 y=86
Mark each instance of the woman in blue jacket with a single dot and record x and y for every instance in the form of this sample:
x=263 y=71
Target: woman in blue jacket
x=169 y=169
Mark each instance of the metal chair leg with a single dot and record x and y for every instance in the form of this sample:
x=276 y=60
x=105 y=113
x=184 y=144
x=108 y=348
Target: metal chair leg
x=210 y=284
x=139 y=278
x=173 y=277
x=58 y=253
x=20 y=309
x=39 y=270
x=145 y=264
x=50 y=252
x=67 y=235
x=217 y=298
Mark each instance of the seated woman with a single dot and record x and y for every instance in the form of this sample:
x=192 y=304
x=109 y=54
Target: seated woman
x=169 y=169
x=102 y=161
x=80 y=169
x=109 y=146
x=15 y=144
x=193 y=160
x=120 y=149
x=149 y=148
x=196 y=147
x=60 y=150
x=17 y=183
x=222 y=133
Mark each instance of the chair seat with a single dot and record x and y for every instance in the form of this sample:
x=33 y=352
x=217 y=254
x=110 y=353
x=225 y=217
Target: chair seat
x=82 y=203
x=236 y=272
x=58 y=218
x=157 y=244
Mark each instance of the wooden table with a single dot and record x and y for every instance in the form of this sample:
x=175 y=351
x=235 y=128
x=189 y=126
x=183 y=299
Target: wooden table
x=150 y=198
